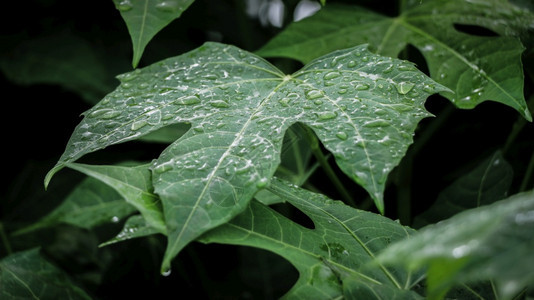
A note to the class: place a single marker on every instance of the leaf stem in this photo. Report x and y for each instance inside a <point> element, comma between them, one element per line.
<point>5,240</point>
<point>323,162</point>
<point>528,174</point>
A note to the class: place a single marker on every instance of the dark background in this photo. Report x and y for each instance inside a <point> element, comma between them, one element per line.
<point>38,118</point>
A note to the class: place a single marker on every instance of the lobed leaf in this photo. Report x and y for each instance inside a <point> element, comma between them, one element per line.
<point>332,259</point>
<point>475,68</point>
<point>363,107</point>
<point>28,275</point>
<point>492,242</point>
<point>145,18</point>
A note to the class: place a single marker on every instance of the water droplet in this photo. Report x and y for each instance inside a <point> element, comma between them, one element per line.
<point>139,124</point>
<point>164,167</point>
<point>362,86</point>
<point>428,88</point>
<point>168,6</point>
<point>124,5</point>
<point>115,219</point>
<point>376,123</point>
<point>313,94</point>
<point>187,100</point>
<point>388,69</point>
<point>331,75</point>
<point>262,183</point>
<point>284,101</point>
<point>342,135</point>
<point>99,112</point>
<point>351,64</point>
<point>404,87</point>
<point>166,272</point>
<point>143,86</point>
<point>327,115</point>
<point>210,76</point>
<point>219,104</point>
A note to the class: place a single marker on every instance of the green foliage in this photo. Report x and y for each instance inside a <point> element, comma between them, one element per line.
<point>220,148</point>
<point>475,68</point>
<point>146,18</point>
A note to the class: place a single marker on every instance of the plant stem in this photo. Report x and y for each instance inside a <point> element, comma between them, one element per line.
<point>528,174</point>
<point>323,162</point>
<point>517,127</point>
<point>5,240</point>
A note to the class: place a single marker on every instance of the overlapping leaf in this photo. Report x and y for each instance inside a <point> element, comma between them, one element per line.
<point>90,204</point>
<point>145,18</point>
<point>363,107</point>
<point>28,275</point>
<point>487,183</point>
<point>134,184</point>
<point>332,258</point>
<point>490,242</point>
<point>475,68</point>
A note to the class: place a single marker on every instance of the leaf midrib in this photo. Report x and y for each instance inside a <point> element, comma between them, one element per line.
<point>210,176</point>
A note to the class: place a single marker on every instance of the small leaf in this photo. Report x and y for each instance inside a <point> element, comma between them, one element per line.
<point>145,18</point>
<point>484,185</point>
<point>28,275</point>
<point>132,183</point>
<point>135,227</point>
<point>475,68</point>
<point>90,204</point>
<point>332,258</point>
<point>237,105</point>
<point>492,242</point>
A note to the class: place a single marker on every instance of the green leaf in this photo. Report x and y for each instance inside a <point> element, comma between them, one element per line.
<point>90,204</point>
<point>332,258</point>
<point>28,275</point>
<point>475,68</point>
<point>492,242</point>
<point>132,183</point>
<point>135,227</point>
<point>363,107</point>
<point>145,18</point>
<point>487,183</point>
<point>75,65</point>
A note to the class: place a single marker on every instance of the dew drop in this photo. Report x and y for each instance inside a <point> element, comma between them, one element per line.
<point>166,272</point>
<point>115,219</point>
<point>262,183</point>
<point>139,124</point>
<point>342,135</point>
<point>284,101</point>
<point>187,100</point>
<point>362,86</point>
<point>313,94</point>
<point>168,6</point>
<point>327,115</point>
<point>351,64</point>
<point>219,104</point>
<point>404,87</point>
<point>124,5</point>
<point>99,112</point>
<point>331,75</point>
<point>143,86</point>
<point>164,167</point>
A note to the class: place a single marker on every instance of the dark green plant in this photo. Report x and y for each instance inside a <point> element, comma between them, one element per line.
<point>261,133</point>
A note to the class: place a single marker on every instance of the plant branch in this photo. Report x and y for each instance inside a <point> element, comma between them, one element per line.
<point>323,162</point>
<point>5,240</point>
